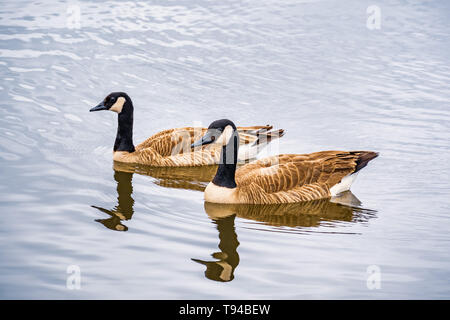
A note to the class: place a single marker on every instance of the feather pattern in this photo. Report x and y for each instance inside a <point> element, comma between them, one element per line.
<point>290,178</point>
<point>172,147</point>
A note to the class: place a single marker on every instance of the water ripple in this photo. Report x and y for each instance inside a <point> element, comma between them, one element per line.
<point>307,66</point>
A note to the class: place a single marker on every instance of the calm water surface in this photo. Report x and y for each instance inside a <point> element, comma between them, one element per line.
<point>310,67</point>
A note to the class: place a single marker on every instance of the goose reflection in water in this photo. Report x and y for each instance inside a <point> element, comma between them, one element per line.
<point>227,258</point>
<point>192,178</point>
<point>125,202</point>
<point>301,215</point>
<point>295,215</point>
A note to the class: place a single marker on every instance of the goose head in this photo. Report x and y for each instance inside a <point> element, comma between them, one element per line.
<point>121,103</point>
<point>118,102</point>
<point>219,132</point>
<point>224,133</point>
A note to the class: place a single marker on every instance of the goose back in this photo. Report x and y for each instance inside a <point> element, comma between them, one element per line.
<point>172,147</point>
<point>292,178</point>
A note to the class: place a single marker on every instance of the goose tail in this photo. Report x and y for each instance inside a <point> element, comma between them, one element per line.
<point>254,130</point>
<point>263,138</point>
<point>363,158</point>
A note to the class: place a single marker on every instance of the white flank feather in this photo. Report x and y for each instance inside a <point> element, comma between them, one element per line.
<point>344,185</point>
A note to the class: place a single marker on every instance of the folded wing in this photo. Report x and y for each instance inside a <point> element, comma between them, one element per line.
<point>178,141</point>
<point>297,177</point>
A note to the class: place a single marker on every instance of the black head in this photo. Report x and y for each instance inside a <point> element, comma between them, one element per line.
<point>221,124</point>
<point>115,101</point>
<point>219,131</point>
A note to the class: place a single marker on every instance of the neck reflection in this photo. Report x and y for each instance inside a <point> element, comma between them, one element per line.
<point>223,268</point>
<point>124,209</point>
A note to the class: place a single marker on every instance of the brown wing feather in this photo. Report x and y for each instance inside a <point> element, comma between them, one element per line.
<point>293,178</point>
<point>172,147</point>
<point>254,129</point>
<point>150,157</point>
<point>173,141</point>
<point>178,141</point>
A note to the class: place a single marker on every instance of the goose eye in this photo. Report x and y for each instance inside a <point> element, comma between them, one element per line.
<point>112,100</point>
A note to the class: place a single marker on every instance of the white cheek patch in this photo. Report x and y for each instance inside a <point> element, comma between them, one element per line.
<point>225,136</point>
<point>117,107</point>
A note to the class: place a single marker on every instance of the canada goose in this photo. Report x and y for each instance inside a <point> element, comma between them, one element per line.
<point>285,178</point>
<point>170,148</point>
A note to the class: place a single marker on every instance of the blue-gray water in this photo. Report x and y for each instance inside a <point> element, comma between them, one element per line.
<point>313,68</point>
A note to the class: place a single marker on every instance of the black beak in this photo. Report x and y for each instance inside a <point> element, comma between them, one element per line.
<point>208,138</point>
<point>101,106</point>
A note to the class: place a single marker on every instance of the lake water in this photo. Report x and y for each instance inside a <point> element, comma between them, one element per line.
<point>314,68</point>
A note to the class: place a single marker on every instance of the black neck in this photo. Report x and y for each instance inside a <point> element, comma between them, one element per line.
<point>124,193</point>
<point>228,160</point>
<point>124,137</point>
